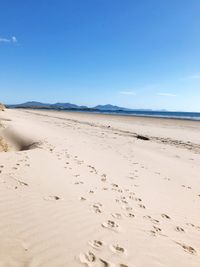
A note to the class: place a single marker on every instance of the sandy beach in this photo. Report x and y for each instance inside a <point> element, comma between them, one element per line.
<point>94,190</point>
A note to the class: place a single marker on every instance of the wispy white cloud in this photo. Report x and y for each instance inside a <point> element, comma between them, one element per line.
<point>194,77</point>
<point>127,93</point>
<point>12,40</point>
<point>4,40</point>
<point>166,94</point>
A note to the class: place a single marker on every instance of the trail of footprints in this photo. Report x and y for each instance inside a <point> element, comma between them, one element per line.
<point>89,258</point>
<point>15,181</point>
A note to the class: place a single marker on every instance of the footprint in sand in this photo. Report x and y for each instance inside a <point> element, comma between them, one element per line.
<point>78,182</point>
<point>153,233</point>
<point>151,219</point>
<point>97,207</point>
<point>157,229</point>
<point>15,168</point>
<point>87,258</point>
<point>118,250</point>
<point>117,200</point>
<point>131,195</point>
<point>82,198</point>
<point>124,201</point>
<point>117,215</point>
<point>105,188</point>
<point>194,226</point>
<point>130,215</point>
<point>97,244</point>
<point>165,216</point>
<point>188,187</point>
<point>142,206</point>
<point>190,224</point>
<point>138,199</point>
<point>127,208</point>
<point>115,185</point>
<point>179,229</point>
<point>120,191</point>
<point>111,225</point>
<point>22,183</point>
<point>103,177</point>
<point>93,170</point>
<point>50,198</point>
<point>188,249</point>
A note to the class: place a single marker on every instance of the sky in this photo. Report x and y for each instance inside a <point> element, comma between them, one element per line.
<point>130,53</point>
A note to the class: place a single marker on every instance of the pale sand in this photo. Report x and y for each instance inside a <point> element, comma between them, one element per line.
<point>84,191</point>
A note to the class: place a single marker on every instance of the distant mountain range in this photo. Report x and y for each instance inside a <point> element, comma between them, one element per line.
<point>34,104</point>
<point>69,106</point>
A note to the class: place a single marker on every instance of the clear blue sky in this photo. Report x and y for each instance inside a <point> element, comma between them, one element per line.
<point>137,54</point>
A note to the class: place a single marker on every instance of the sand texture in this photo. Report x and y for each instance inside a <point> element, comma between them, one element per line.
<point>98,190</point>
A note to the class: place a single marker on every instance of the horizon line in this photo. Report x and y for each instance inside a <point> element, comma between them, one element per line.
<point>139,109</point>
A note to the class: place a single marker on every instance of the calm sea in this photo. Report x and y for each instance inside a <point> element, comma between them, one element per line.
<point>158,114</point>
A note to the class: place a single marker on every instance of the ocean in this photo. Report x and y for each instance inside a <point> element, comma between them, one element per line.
<point>157,114</point>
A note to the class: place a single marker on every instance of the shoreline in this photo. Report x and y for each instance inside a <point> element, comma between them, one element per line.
<point>155,128</point>
<point>114,113</point>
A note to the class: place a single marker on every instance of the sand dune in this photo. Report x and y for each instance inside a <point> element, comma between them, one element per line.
<point>98,190</point>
